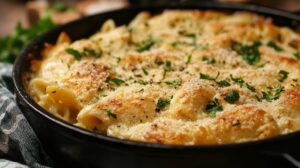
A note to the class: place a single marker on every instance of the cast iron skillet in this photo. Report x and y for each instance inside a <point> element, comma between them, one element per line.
<point>70,146</point>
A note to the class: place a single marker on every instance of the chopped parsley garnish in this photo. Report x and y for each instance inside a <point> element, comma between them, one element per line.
<point>272,95</point>
<point>189,35</point>
<point>130,29</point>
<point>297,55</point>
<point>223,83</point>
<point>273,45</point>
<point>159,62</point>
<point>237,80</point>
<point>204,46</point>
<point>212,107</point>
<point>107,79</point>
<point>209,61</point>
<point>145,71</point>
<point>284,74</point>
<point>89,52</point>
<point>193,37</point>
<point>11,46</point>
<point>250,87</point>
<point>174,83</point>
<point>60,7</point>
<point>142,82</point>
<point>168,68</point>
<point>189,59</point>
<point>207,77</point>
<point>111,114</point>
<point>146,46</point>
<point>257,98</point>
<point>175,43</point>
<point>76,54</point>
<point>86,52</point>
<point>118,59</point>
<point>261,65</point>
<point>232,96</point>
<point>117,81</point>
<point>162,103</point>
<point>249,53</point>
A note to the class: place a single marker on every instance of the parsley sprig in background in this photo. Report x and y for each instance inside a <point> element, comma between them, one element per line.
<point>11,46</point>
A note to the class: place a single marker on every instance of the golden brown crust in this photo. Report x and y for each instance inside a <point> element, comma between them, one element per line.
<point>244,123</point>
<point>186,77</point>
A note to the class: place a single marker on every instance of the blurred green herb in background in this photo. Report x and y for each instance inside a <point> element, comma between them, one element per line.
<point>11,46</point>
<point>60,7</point>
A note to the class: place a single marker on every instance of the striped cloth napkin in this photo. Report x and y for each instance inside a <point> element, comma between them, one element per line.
<point>19,146</point>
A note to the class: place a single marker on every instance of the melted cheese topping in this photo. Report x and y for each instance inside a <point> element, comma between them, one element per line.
<point>180,77</point>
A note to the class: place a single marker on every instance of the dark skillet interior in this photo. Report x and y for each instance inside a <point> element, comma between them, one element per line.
<point>81,147</point>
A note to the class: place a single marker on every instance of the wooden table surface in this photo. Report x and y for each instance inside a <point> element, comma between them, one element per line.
<point>13,11</point>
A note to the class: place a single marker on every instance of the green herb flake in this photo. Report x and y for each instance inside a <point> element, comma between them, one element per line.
<point>107,79</point>
<point>168,68</point>
<point>142,82</point>
<point>11,46</point>
<point>211,61</point>
<point>174,83</point>
<point>175,43</point>
<point>257,98</point>
<point>76,54</point>
<point>110,113</point>
<point>272,95</point>
<point>159,62</point>
<point>117,81</point>
<point>146,46</point>
<point>232,96</point>
<point>145,71</point>
<point>193,37</point>
<point>118,59</point>
<point>162,104</point>
<point>284,74</point>
<point>212,107</point>
<point>189,58</point>
<point>249,53</point>
<point>273,45</point>
<point>297,55</point>
<point>130,29</point>
<point>89,52</point>
<point>205,76</point>
<point>204,46</point>
<point>250,87</point>
<point>223,83</point>
<point>261,65</point>
<point>60,7</point>
<point>237,80</point>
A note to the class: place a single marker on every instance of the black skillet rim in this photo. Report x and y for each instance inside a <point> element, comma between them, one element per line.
<point>22,94</point>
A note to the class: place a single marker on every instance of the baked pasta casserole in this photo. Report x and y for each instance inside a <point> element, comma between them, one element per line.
<point>183,77</point>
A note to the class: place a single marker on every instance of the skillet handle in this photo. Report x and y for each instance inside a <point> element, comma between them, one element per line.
<point>297,12</point>
<point>293,159</point>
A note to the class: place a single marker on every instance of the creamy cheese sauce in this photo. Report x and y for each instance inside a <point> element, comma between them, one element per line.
<point>181,77</point>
